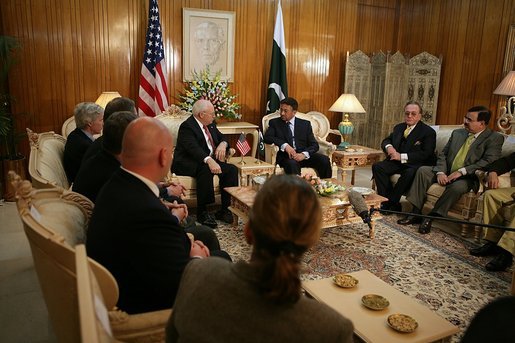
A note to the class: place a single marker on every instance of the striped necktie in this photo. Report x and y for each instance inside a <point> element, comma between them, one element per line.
<point>459,160</point>
<point>407,131</point>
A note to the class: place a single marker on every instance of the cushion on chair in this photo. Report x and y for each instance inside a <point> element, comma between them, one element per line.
<point>64,218</point>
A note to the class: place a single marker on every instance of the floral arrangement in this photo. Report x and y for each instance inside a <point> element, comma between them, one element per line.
<point>322,187</point>
<point>213,89</point>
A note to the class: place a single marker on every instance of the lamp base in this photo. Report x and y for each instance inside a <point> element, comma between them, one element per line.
<point>343,146</point>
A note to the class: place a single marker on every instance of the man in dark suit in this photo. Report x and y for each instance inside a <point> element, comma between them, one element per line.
<point>297,144</point>
<point>89,118</point>
<point>201,153</point>
<point>409,146</point>
<point>95,171</point>
<point>473,147</point>
<point>498,242</point>
<point>116,105</point>
<point>133,233</point>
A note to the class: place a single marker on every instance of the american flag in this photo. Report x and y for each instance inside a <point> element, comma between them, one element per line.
<point>242,145</point>
<point>153,91</point>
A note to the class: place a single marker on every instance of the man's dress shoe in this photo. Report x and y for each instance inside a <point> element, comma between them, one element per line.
<point>408,220</point>
<point>425,227</point>
<point>500,262</point>
<point>487,249</point>
<point>224,215</point>
<point>205,218</point>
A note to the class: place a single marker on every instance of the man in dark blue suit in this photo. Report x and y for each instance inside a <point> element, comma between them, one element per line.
<point>201,153</point>
<point>410,145</point>
<point>133,233</point>
<point>297,144</point>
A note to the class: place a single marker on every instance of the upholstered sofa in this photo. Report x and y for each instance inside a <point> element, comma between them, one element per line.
<point>55,221</point>
<point>467,206</point>
<point>46,160</point>
<point>321,130</point>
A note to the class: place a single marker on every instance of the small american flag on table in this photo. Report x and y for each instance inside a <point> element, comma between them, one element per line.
<point>242,145</point>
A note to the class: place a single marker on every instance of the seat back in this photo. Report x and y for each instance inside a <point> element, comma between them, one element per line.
<point>93,314</point>
<point>46,160</point>
<point>173,118</point>
<point>54,255</point>
<point>68,126</point>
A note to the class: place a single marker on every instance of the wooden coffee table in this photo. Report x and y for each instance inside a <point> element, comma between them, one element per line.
<point>370,325</point>
<point>251,167</point>
<point>336,210</point>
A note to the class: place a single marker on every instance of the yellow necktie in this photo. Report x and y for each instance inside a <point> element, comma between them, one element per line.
<point>462,153</point>
<point>406,132</point>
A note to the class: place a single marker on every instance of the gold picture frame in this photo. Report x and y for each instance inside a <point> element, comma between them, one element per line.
<point>208,40</point>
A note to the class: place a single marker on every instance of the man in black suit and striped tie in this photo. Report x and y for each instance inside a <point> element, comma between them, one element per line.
<point>410,145</point>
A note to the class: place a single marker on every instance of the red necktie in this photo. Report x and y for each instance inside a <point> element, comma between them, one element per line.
<point>209,137</point>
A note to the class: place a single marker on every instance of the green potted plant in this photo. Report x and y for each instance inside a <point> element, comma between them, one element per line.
<point>9,137</point>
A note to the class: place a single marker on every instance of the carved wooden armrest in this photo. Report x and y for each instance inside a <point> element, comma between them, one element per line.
<point>142,327</point>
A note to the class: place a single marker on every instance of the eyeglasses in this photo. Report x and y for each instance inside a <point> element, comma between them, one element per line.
<point>412,114</point>
<point>470,120</point>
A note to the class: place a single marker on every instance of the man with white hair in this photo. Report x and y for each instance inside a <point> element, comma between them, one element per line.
<point>89,118</point>
<point>201,153</point>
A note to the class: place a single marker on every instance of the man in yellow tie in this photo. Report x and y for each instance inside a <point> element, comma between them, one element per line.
<point>410,145</point>
<point>455,167</point>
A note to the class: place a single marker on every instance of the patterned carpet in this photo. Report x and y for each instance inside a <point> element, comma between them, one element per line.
<point>436,268</point>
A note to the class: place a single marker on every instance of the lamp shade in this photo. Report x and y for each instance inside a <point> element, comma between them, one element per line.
<point>105,97</point>
<point>507,85</point>
<point>347,103</point>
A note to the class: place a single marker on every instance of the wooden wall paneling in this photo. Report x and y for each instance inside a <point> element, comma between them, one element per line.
<point>74,49</point>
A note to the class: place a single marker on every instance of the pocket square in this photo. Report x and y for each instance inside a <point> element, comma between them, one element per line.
<point>418,143</point>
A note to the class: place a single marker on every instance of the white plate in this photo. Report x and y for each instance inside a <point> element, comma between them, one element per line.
<point>362,190</point>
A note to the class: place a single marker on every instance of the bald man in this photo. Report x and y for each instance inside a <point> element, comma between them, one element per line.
<point>135,235</point>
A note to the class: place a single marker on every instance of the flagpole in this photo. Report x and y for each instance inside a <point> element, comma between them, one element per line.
<point>258,161</point>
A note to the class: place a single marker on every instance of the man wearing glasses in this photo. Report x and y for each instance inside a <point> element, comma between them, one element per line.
<point>410,145</point>
<point>470,148</point>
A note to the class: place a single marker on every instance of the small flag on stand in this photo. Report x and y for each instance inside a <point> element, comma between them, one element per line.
<point>242,145</point>
<point>153,91</point>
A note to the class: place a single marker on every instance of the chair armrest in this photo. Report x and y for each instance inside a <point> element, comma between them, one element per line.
<point>271,153</point>
<point>326,148</point>
<point>147,327</point>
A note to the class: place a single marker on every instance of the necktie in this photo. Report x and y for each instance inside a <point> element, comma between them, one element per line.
<point>407,131</point>
<point>210,138</point>
<point>291,136</point>
<point>462,153</point>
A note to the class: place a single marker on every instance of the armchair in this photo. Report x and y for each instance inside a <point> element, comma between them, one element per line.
<point>321,129</point>
<point>55,221</point>
<point>46,160</point>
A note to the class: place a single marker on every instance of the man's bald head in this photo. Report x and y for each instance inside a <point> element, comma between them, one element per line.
<point>147,148</point>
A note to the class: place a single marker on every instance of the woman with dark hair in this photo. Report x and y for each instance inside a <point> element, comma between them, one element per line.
<point>261,300</point>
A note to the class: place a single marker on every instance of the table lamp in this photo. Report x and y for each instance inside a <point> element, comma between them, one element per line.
<point>346,103</point>
<point>105,97</point>
<point>507,88</point>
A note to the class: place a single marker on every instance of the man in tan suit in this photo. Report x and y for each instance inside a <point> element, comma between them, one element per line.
<point>498,210</point>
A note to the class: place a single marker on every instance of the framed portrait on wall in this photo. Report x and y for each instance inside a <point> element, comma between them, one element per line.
<point>208,41</point>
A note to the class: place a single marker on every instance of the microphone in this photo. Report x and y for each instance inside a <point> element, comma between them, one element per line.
<point>360,207</point>
<point>447,219</point>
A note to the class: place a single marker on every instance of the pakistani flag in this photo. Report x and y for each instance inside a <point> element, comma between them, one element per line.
<point>277,85</point>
